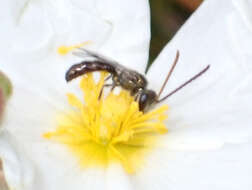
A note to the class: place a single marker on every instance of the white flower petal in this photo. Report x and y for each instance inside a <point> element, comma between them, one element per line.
<point>130,21</point>
<point>33,29</point>
<point>18,170</point>
<point>31,113</point>
<point>39,27</point>
<point>60,170</point>
<point>117,179</point>
<point>216,107</point>
<point>228,168</point>
<point>244,8</point>
<point>33,165</point>
<point>241,40</point>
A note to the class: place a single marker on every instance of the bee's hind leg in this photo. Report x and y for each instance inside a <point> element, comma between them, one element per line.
<point>106,85</point>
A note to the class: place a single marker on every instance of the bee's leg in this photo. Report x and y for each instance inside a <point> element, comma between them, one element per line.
<point>108,77</point>
<point>105,85</point>
<point>113,87</point>
<point>137,94</point>
<point>136,97</point>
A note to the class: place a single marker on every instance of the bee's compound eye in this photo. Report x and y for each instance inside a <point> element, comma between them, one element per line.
<point>146,99</point>
<point>143,101</point>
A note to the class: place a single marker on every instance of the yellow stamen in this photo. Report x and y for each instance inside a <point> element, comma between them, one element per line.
<point>107,130</point>
<point>63,50</point>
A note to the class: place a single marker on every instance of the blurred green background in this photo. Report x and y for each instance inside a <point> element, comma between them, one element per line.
<point>167,16</point>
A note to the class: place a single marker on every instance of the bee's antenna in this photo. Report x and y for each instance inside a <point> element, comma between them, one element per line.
<point>184,84</point>
<point>169,74</point>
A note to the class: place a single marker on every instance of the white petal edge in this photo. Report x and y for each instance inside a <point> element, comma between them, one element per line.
<point>216,106</point>
<point>244,8</point>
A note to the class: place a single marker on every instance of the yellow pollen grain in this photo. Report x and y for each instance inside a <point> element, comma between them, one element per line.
<point>63,50</point>
<point>99,132</point>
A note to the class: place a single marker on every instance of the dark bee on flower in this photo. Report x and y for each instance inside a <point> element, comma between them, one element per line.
<point>124,77</point>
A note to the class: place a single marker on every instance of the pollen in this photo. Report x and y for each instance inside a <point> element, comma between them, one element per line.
<point>108,129</point>
<point>63,50</point>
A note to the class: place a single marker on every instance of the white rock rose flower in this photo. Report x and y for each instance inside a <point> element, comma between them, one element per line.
<point>53,141</point>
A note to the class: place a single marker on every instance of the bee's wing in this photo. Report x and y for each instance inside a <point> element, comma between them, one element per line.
<point>88,53</point>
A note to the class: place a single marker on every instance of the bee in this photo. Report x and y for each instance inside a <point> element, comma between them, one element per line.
<point>124,77</point>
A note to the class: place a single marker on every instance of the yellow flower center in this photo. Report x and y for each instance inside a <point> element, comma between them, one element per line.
<point>108,130</point>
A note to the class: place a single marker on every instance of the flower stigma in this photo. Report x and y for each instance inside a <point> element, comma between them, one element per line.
<point>108,129</point>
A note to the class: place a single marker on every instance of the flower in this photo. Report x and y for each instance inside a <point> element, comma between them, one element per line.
<point>107,129</point>
<point>209,134</point>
